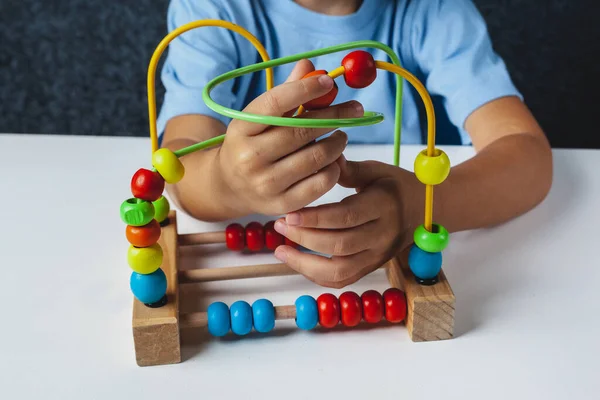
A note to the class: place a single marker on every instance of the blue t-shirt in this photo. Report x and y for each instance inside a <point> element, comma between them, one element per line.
<point>445,43</point>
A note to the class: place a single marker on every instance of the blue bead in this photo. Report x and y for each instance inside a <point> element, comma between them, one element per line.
<point>424,265</point>
<point>148,288</point>
<point>241,318</point>
<point>307,315</point>
<point>218,319</point>
<point>263,313</point>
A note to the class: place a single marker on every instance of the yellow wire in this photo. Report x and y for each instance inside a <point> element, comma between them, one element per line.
<point>339,71</point>
<point>430,128</point>
<point>163,45</point>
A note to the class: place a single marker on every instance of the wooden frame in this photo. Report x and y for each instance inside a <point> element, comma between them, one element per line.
<point>156,331</point>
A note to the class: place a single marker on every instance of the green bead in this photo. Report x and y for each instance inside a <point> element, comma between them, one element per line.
<point>136,212</point>
<point>161,209</point>
<point>434,241</point>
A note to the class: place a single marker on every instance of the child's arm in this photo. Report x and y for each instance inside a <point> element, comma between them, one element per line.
<point>511,173</point>
<point>260,169</point>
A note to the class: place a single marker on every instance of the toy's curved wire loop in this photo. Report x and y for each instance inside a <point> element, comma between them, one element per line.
<point>369,118</point>
<point>168,39</point>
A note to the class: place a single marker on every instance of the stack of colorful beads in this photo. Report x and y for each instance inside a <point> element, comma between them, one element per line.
<point>425,256</point>
<point>327,311</point>
<point>255,237</point>
<point>144,214</point>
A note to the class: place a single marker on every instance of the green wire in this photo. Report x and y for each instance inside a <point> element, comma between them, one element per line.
<point>369,117</point>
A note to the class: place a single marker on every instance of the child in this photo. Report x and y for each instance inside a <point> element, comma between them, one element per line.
<point>271,170</point>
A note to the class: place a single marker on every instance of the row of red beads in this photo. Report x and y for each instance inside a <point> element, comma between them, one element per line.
<point>371,307</point>
<point>255,237</point>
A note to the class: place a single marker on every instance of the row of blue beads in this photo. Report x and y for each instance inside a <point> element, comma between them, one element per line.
<point>241,317</point>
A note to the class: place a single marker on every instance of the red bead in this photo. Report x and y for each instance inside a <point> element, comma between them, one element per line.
<point>359,69</point>
<point>351,308</point>
<point>329,310</point>
<point>273,239</point>
<point>288,242</point>
<point>147,185</point>
<point>394,301</point>
<point>372,303</point>
<point>325,100</point>
<point>255,236</point>
<point>235,237</point>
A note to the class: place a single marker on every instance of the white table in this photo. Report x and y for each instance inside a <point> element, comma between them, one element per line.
<point>527,310</point>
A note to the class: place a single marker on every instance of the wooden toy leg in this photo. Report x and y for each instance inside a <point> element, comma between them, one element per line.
<point>430,308</point>
<point>156,330</point>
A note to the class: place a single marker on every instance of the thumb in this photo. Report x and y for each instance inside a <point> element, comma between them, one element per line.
<point>358,174</point>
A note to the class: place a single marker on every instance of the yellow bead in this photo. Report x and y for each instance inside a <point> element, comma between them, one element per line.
<point>145,260</point>
<point>432,170</point>
<point>168,165</point>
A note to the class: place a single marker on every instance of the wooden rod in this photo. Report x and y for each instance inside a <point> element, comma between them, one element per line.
<point>200,319</point>
<point>193,239</point>
<point>227,273</point>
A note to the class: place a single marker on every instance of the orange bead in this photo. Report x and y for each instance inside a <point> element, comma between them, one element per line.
<point>143,236</point>
<point>325,100</point>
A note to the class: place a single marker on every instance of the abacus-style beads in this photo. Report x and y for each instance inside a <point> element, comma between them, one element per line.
<point>425,266</point>
<point>235,237</point>
<point>273,239</point>
<point>307,315</point>
<point>434,241</point>
<point>143,236</point>
<point>359,69</point>
<point>255,236</point>
<point>329,310</point>
<point>394,301</point>
<point>168,165</point>
<point>241,318</point>
<point>147,185</point>
<point>161,209</point>
<point>372,304</point>
<point>145,260</point>
<point>432,170</point>
<point>148,288</point>
<point>325,100</point>
<point>263,314</point>
<point>136,212</point>
<point>218,318</point>
<point>351,309</point>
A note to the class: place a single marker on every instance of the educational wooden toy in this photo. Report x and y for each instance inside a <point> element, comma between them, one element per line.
<point>419,294</point>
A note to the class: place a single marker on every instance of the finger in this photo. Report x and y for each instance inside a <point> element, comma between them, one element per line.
<point>310,189</point>
<point>301,68</point>
<point>336,242</point>
<point>281,99</point>
<point>308,160</point>
<point>278,142</point>
<point>358,174</point>
<point>334,272</point>
<point>352,211</point>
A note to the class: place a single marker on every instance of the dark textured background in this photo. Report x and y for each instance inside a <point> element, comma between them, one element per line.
<point>79,66</point>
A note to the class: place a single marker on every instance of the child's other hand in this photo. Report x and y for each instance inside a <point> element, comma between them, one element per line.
<point>274,170</point>
<point>361,232</point>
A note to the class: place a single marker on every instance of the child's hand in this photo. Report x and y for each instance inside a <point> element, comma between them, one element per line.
<point>361,232</point>
<point>274,170</point>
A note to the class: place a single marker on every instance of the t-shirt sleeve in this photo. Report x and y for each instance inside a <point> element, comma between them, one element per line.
<point>452,48</point>
<point>194,58</point>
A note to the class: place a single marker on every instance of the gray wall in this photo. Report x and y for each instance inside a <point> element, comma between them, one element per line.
<point>69,66</point>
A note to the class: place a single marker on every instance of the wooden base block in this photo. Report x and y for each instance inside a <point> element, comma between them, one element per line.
<point>156,330</point>
<point>430,308</point>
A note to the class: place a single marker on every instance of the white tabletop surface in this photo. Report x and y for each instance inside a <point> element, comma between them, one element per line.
<point>527,298</point>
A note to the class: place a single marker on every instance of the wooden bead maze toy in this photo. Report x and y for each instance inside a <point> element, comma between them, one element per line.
<point>420,294</point>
